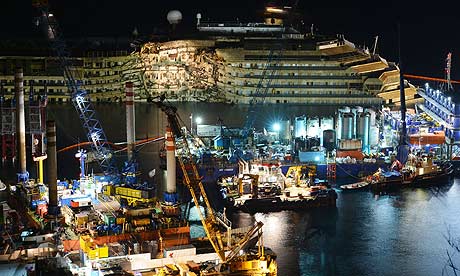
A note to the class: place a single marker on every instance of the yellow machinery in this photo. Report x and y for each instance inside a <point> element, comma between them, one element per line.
<point>300,172</point>
<point>94,251</point>
<point>234,261</point>
<point>133,197</point>
<point>254,184</point>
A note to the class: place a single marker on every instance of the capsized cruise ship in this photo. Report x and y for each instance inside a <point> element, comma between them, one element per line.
<point>239,62</point>
<point>269,61</point>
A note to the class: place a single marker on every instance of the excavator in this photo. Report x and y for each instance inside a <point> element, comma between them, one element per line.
<point>235,255</point>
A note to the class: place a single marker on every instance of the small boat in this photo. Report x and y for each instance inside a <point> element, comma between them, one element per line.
<point>361,185</point>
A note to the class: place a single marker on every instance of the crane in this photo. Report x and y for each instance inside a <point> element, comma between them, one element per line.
<point>263,86</point>
<point>79,96</point>
<point>213,222</point>
<point>268,74</point>
<point>410,76</point>
<point>447,70</point>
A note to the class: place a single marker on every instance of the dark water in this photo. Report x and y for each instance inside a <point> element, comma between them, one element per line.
<point>399,234</point>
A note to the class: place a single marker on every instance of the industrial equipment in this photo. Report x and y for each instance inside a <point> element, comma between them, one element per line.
<point>213,222</point>
<point>263,86</point>
<point>254,178</point>
<point>130,196</point>
<point>80,99</point>
<point>302,172</point>
<point>268,74</point>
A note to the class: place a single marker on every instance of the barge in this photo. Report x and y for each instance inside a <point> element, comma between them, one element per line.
<point>270,190</point>
<point>323,198</point>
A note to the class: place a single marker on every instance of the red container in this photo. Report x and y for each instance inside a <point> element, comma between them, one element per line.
<point>74,204</point>
<point>42,209</point>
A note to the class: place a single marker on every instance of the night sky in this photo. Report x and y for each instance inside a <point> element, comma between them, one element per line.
<point>429,29</point>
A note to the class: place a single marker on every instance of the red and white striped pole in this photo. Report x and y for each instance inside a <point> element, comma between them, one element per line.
<point>21,124</point>
<point>130,119</point>
<point>170,162</point>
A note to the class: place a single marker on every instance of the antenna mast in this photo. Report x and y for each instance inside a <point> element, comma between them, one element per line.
<point>375,45</point>
<point>448,65</point>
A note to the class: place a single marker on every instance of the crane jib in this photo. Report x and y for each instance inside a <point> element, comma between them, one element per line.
<point>80,98</point>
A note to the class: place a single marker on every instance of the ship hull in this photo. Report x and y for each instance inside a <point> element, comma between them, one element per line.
<point>433,179</point>
<point>276,204</point>
<point>388,185</point>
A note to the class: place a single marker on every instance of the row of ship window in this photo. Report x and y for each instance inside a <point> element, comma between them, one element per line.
<point>328,101</point>
<point>102,64</point>
<point>303,85</point>
<point>303,93</point>
<point>32,82</point>
<point>300,65</point>
<point>39,90</point>
<point>50,83</point>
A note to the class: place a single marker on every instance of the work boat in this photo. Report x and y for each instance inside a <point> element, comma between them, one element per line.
<point>387,180</point>
<point>424,172</point>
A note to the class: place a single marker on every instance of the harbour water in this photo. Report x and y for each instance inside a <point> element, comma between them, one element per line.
<point>398,234</point>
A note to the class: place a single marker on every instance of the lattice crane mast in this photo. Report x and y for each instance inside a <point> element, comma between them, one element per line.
<point>263,86</point>
<point>269,72</point>
<point>448,67</point>
<point>79,96</point>
<point>213,222</point>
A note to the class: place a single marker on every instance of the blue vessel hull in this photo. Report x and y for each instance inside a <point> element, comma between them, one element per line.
<point>351,170</point>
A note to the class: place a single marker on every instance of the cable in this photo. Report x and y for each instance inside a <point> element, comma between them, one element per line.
<point>338,165</point>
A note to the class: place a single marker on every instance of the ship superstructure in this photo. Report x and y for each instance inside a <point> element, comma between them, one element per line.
<point>444,107</point>
<point>231,59</point>
<point>225,62</point>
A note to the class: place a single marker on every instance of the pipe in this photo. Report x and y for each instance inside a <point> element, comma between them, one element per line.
<point>40,171</point>
<point>21,123</point>
<point>403,147</point>
<point>52,167</point>
<point>130,119</point>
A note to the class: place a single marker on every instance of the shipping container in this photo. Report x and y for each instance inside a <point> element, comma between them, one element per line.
<point>65,200</point>
<point>180,251</point>
<point>208,130</point>
<point>141,222</point>
<point>357,154</point>
<point>436,138</point>
<point>350,144</point>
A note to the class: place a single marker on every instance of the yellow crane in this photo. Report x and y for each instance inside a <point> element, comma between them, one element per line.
<point>213,223</point>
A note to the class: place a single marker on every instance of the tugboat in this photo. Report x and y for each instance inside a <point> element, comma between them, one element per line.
<point>387,180</point>
<point>426,173</point>
<point>417,172</point>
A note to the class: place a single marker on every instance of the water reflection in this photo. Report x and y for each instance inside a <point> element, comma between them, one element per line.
<point>402,233</point>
